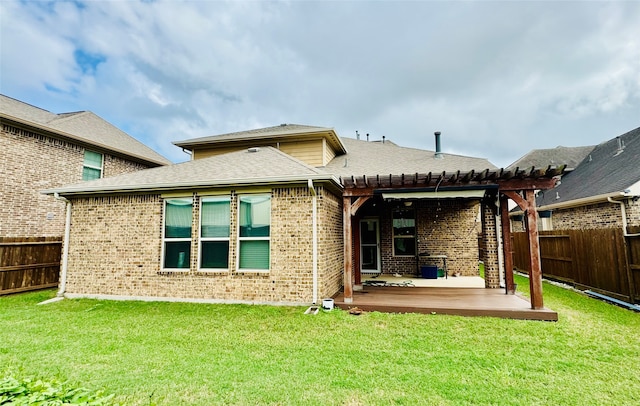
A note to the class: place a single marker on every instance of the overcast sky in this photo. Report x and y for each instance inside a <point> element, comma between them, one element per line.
<point>496,78</point>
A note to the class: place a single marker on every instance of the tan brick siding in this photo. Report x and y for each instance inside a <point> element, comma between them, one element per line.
<point>30,162</point>
<point>122,255</point>
<point>490,248</point>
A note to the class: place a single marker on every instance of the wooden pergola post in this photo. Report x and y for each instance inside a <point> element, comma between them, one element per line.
<point>507,246</point>
<point>535,276</point>
<point>528,205</point>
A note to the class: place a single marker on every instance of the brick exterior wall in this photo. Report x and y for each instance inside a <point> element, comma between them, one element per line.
<point>32,162</point>
<point>489,243</point>
<point>116,244</point>
<point>446,227</point>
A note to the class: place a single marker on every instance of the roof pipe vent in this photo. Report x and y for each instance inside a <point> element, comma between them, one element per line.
<point>438,153</point>
<point>620,146</point>
<point>367,137</point>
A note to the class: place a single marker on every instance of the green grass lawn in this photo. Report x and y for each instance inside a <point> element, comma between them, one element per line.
<point>195,354</point>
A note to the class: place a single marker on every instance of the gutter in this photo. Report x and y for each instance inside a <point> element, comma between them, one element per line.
<point>65,250</point>
<point>314,238</point>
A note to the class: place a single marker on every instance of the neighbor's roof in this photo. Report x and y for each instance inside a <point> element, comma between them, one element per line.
<point>259,166</point>
<point>82,127</point>
<point>372,158</point>
<point>611,168</point>
<point>542,158</point>
<point>282,131</point>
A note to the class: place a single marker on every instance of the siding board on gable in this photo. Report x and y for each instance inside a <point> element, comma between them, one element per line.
<point>308,151</point>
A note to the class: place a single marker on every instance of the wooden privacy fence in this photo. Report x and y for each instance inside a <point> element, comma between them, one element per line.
<point>29,263</point>
<point>600,260</point>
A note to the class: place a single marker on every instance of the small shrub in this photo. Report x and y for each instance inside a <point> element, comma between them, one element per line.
<point>32,391</point>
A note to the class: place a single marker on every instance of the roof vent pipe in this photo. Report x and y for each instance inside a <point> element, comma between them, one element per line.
<point>438,153</point>
<point>383,137</point>
<point>357,135</point>
<point>367,137</point>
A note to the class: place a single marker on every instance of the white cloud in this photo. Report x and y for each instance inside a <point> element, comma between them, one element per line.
<point>498,79</point>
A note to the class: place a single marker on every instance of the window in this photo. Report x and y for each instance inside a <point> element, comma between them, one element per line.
<point>92,167</point>
<point>177,233</point>
<point>404,232</point>
<point>254,218</point>
<point>214,232</point>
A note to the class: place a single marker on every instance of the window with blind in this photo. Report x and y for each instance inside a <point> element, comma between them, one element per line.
<point>254,236</point>
<point>92,166</point>
<point>176,245</point>
<point>404,232</point>
<point>215,215</point>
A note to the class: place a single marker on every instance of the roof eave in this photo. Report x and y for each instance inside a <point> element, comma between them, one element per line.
<point>81,141</point>
<point>331,180</point>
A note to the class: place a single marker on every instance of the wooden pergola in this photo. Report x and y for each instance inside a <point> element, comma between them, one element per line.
<point>517,185</point>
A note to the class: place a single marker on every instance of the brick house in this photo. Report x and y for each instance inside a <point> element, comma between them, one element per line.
<point>602,192</point>
<point>41,150</point>
<point>283,215</point>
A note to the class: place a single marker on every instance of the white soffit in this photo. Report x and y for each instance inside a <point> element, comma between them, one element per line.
<point>441,194</point>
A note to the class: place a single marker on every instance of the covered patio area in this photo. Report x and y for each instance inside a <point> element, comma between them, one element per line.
<point>391,223</point>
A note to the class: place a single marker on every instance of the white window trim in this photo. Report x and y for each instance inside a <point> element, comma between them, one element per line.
<point>237,259</point>
<point>164,239</point>
<point>100,168</point>
<point>201,239</point>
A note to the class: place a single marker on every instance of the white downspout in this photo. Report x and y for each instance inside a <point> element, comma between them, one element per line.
<point>65,247</point>
<point>623,213</point>
<point>314,237</point>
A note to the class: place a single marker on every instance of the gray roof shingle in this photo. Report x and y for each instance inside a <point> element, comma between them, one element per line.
<point>542,158</point>
<point>377,158</point>
<point>84,126</point>
<point>262,166</point>
<point>606,169</point>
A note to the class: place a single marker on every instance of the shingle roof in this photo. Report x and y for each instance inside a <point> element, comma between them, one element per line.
<point>279,131</point>
<point>377,158</point>
<point>264,165</point>
<point>541,158</point>
<point>612,166</point>
<point>84,127</point>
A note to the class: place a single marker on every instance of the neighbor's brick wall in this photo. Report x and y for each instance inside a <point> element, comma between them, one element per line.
<point>106,228</point>
<point>602,215</point>
<point>448,227</point>
<point>31,162</point>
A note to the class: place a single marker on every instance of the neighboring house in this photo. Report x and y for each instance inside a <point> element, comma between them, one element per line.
<point>284,214</point>
<point>42,150</point>
<point>541,158</point>
<point>602,192</point>
<point>570,157</point>
<point>593,222</point>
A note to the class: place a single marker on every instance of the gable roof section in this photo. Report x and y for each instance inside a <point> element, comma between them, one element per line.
<point>80,127</point>
<point>259,166</point>
<point>372,158</point>
<point>282,131</point>
<point>611,168</point>
<point>542,158</point>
